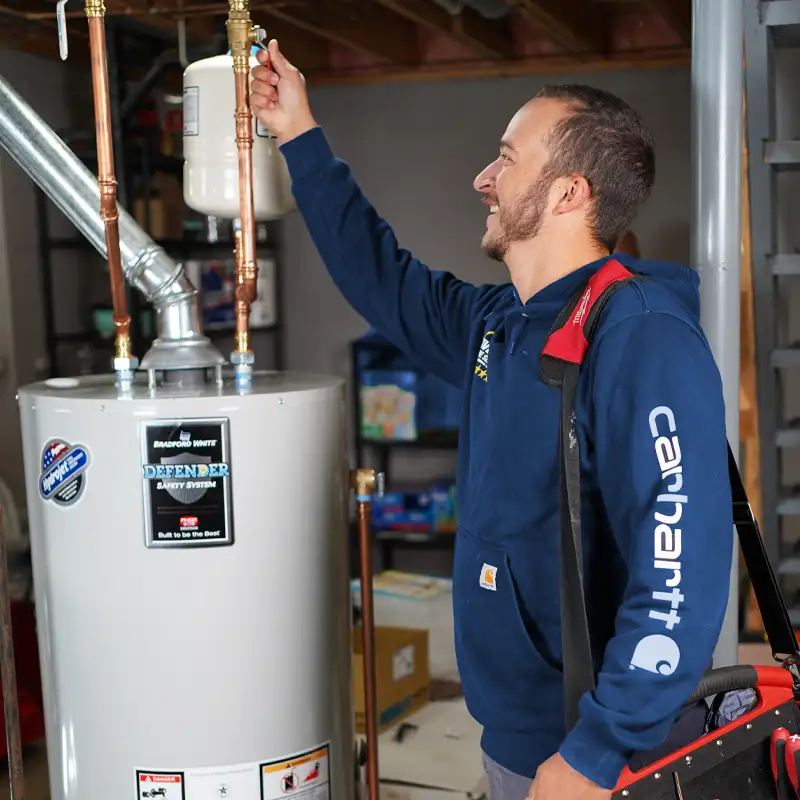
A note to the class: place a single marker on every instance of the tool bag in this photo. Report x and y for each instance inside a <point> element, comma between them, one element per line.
<point>750,755</point>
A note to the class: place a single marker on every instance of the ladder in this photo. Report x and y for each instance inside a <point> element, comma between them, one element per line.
<point>771,25</point>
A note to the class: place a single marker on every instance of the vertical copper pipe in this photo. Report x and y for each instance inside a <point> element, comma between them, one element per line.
<point>8,678</point>
<point>363,510</point>
<point>95,12</point>
<point>365,482</point>
<point>240,39</point>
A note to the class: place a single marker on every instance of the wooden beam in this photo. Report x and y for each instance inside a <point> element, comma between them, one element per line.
<point>426,73</point>
<point>748,413</point>
<point>362,25</point>
<point>38,40</point>
<point>485,37</point>
<point>309,53</point>
<point>677,14</point>
<point>573,25</point>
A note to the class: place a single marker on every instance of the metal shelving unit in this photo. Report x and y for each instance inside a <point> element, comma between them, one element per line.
<point>378,453</point>
<point>770,26</point>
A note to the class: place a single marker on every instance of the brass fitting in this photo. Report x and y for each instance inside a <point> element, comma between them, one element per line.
<point>95,8</point>
<point>242,34</point>
<point>366,482</point>
<point>122,346</point>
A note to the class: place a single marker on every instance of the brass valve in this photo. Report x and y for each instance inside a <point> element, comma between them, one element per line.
<point>367,482</point>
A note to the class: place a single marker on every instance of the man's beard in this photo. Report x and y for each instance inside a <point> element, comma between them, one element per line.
<point>519,221</point>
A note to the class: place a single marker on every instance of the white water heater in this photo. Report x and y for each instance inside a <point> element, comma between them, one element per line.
<point>211,160</point>
<point>191,581</point>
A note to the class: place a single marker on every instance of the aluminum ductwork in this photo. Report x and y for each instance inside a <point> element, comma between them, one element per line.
<point>74,189</point>
<point>491,9</point>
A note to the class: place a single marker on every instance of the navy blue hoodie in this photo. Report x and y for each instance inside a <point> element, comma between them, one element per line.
<point>656,503</point>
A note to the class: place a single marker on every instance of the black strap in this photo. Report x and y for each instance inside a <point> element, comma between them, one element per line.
<point>564,372</point>
<point>575,640</point>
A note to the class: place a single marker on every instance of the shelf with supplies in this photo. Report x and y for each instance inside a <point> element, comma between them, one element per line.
<point>399,407</point>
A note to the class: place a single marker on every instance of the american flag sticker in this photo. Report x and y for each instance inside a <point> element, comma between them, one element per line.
<point>63,474</point>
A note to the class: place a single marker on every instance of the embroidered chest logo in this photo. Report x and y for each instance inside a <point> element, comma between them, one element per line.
<point>482,362</point>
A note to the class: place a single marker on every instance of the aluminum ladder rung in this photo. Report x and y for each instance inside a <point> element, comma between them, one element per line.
<point>786,357</point>
<point>788,435</point>
<point>789,503</point>
<point>782,154</point>
<point>785,264</point>
<point>780,13</point>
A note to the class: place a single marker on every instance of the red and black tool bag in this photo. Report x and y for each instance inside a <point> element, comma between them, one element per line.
<point>738,759</point>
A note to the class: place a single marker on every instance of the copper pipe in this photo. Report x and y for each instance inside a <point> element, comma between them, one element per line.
<point>241,37</point>
<point>196,9</point>
<point>8,678</point>
<point>364,483</point>
<point>95,11</point>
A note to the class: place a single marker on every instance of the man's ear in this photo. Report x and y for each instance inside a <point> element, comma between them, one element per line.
<point>574,192</point>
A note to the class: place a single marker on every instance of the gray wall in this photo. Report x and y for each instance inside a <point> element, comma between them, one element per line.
<point>415,149</point>
<point>46,86</point>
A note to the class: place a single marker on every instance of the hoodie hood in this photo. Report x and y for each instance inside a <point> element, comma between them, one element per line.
<point>679,281</point>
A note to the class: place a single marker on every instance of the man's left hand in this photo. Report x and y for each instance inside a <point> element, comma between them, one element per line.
<point>556,780</point>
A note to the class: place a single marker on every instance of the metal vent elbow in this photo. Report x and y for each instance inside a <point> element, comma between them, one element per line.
<point>72,187</point>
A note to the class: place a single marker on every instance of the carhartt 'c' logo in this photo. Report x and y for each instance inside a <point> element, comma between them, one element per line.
<point>657,654</point>
<point>489,577</point>
<point>482,363</point>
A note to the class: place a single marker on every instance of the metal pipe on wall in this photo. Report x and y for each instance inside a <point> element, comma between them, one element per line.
<point>60,174</point>
<point>717,96</point>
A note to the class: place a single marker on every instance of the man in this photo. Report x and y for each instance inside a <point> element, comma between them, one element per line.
<point>628,243</point>
<point>574,166</point>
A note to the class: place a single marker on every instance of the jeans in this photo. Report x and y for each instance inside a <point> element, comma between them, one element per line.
<point>504,784</point>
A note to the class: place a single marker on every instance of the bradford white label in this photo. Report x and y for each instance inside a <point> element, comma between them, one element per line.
<point>186,475</point>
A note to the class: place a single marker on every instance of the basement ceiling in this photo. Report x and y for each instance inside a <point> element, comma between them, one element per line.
<point>347,41</point>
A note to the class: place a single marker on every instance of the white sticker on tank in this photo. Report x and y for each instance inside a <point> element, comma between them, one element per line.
<point>191,111</point>
<point>305,775</point>
<point>223,783</point>
<point>161,785</point>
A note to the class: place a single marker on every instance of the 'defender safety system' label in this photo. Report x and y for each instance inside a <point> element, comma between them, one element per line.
<point>186,482</point>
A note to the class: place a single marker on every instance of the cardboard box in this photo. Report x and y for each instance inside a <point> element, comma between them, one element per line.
<point>402,674</point>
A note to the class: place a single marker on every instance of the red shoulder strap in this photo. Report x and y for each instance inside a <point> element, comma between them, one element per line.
<point>569,339</point>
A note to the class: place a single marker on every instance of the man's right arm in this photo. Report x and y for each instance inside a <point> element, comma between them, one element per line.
<point>426,314</point>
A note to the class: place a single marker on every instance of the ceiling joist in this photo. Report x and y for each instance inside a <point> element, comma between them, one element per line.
<point>358,41</point>
<point>364,26</point>
<point>677,14</point>
<point>574,25</point>
<point>488,38</point>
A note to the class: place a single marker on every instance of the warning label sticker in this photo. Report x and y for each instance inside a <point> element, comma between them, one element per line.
<point>305,775</point>
<point>161,785</point>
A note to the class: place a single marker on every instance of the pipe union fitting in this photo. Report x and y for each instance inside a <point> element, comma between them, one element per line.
<point>129,364</point>
<point>239,358</point>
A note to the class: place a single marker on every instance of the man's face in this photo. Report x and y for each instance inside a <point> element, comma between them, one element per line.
<point>516,186</point>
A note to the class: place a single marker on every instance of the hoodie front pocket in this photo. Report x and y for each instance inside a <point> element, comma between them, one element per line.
<point>507,682</point>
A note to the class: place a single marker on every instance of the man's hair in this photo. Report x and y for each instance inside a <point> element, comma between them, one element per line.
<point>604,140</point>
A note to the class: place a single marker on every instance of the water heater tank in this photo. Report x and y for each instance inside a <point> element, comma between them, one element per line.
<point>191,584</point>
<point>211,160</point>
